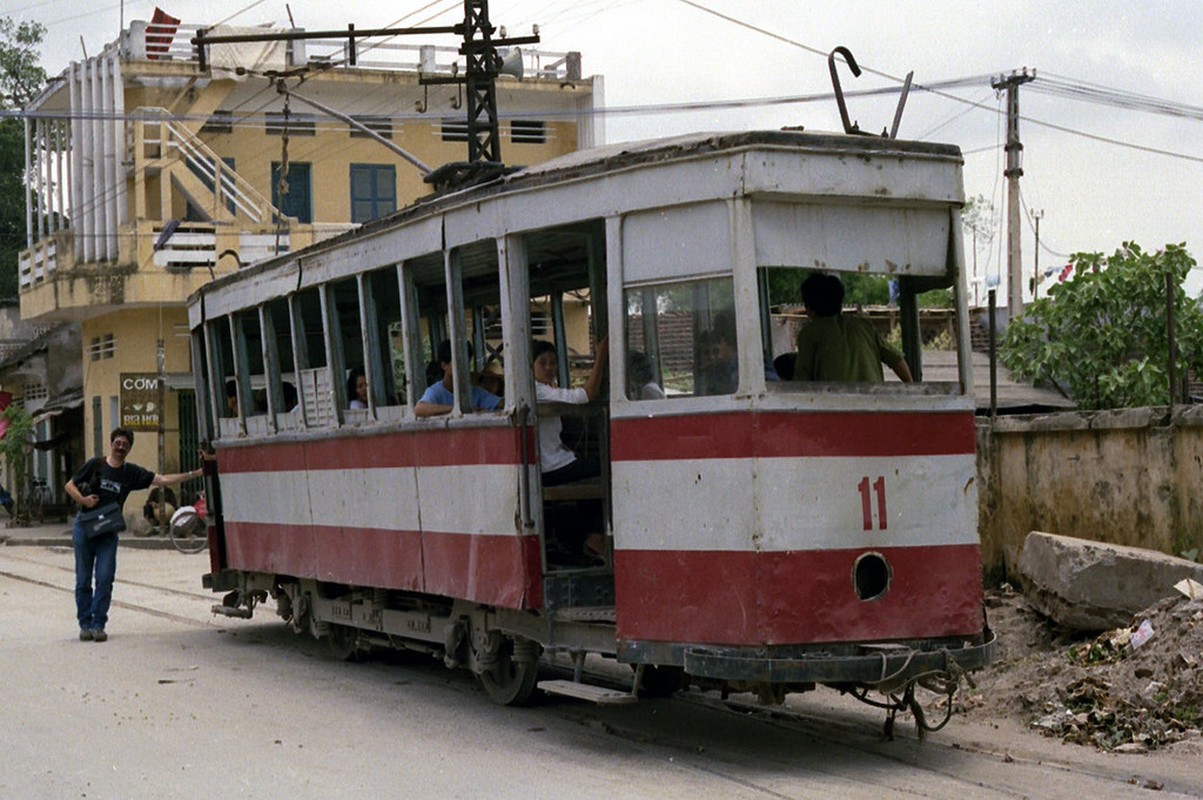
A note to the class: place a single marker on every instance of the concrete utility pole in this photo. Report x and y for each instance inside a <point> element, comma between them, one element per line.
<point>1014,170</point>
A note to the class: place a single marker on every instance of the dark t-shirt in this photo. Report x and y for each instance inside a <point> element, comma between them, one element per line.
<point>112,485</point>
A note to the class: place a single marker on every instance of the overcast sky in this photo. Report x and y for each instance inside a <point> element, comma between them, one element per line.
<point>1094,194</point>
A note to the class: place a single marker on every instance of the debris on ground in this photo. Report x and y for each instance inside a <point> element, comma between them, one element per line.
<point>1128,690</point>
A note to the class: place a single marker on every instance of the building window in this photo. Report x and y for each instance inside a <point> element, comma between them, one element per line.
<point>379,125</point>
<point>102,347</point>
<point>221,121</point>
<point>298,124</point>
<point>373,191</point>
<point>528,132</point>
<point>455,130</point>
<point>297,201</point>
<point>35,391</point>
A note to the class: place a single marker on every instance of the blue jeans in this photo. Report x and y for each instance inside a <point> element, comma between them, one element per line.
<point>93,557</point>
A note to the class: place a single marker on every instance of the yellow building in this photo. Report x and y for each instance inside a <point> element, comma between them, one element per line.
<point>151,176</point>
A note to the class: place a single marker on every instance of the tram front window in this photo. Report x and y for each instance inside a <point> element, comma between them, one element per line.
<point>681,339</point>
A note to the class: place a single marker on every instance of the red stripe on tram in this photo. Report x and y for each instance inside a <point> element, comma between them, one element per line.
<point>792,435</point>
<point>497,570</point>
<point>435,448</point>
<point>780,598</point>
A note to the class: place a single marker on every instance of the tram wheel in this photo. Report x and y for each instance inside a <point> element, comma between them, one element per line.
<point>342,640</point>
<point>509,682</point>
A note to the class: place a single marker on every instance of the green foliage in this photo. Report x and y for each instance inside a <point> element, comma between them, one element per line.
<point>1102,335</point>
<point>21,78</point>
<point>785,287</point>
<point>15,447</point>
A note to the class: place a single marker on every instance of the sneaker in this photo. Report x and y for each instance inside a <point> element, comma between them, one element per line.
<point>85,634</point>
<point>98,635</point>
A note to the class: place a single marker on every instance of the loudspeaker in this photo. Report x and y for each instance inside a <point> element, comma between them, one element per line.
<point>511,63</point>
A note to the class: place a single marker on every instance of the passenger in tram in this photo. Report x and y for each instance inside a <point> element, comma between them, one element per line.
<point>721,375</point>
<point>641,378</point>
<point>558,463</point>
<point>232,398</point>
<point>492,379</point>
<point>834,346</point>
<point>289,393</point>
<point>357,389</point>
<point>439,397</point>
<point>573,535</point>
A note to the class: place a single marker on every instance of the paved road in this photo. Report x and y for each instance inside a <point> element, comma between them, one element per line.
<point>180,704</point>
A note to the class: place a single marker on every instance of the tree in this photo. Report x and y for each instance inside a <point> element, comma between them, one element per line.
<point>15,448</point>
<point>1102,335</point>
<point>20,81</point>
<point>21,78</point>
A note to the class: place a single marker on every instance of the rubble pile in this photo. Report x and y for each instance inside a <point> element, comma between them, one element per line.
<point>1130,689</point>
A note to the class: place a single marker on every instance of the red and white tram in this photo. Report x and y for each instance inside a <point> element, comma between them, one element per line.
<point>768,535</point>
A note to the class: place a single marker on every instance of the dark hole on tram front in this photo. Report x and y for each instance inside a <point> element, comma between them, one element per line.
<point>871,576</point>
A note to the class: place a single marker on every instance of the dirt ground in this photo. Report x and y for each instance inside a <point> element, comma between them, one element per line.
<point>1099,691</point>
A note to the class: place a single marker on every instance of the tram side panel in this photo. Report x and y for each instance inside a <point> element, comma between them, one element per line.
<point>750,529</point>
<point>427,511</point>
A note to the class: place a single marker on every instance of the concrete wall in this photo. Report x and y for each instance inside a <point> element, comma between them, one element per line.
<point>1131,477</point>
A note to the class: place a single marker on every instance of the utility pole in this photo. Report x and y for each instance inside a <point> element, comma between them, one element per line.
<point>1014,170</point>
<point>1037,215</point>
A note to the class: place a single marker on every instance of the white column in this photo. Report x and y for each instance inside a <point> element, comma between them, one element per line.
<point>86,242</point>
<point>119,140</point>
<point>61,173</point>
<point>107,126</point>
<point>76,168</point>
<point>39,174</point>
<point>29,240</point>
<point>99,187</point>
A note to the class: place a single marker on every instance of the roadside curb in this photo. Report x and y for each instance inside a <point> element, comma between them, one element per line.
<point>137,543</point>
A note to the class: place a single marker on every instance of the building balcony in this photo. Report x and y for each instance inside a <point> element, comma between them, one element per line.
<point>156,263</point>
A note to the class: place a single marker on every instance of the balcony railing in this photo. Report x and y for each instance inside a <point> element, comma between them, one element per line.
<point>158,42</point>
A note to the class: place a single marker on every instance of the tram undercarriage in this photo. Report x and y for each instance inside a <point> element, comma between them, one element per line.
<point>502,648</point>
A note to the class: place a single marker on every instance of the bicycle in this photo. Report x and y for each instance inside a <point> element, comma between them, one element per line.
<point>37,496</point>
<point>188,531</point>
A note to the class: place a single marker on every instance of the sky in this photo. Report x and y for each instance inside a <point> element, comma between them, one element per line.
<point>1126,166</point>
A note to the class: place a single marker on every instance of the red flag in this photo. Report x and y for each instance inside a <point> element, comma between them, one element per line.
<point>1065,273</point>
<point>159,34</point>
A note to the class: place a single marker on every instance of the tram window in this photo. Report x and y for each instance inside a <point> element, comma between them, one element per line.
<point>282,378</point>
<point>224,361</point>
<point>249,366</point>
<point>384,359</point>
<point>313,377</point>
<point>907,315</point>
<point>346,339</point>
<point>681,340</point>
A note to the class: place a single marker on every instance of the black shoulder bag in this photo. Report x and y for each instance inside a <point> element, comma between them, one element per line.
<point>104,518</point>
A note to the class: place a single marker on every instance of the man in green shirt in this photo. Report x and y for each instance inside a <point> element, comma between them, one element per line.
<point>836,347</point>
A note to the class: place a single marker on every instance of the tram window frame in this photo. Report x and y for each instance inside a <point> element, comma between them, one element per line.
<point>343,322</point>
<point>381,313</point>
<point>249,369</point>
<point>690,359</point>
<point>283,396</point>
<point>307,327</point>
<point>220,345</point>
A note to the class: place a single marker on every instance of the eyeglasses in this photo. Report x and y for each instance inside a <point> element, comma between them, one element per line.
<point>120,440</point>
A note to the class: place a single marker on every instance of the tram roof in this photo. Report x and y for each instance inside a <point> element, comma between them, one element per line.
<point>615,158</point>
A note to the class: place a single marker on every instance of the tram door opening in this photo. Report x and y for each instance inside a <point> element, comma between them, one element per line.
<point>567,285</point>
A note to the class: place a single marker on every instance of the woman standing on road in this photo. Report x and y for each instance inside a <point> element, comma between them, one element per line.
<point>106,480</point>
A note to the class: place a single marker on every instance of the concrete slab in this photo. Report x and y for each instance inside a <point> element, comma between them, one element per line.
<point>1094,586</point>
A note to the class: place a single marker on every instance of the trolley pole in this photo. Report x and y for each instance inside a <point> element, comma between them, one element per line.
<point>1013,172</point>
